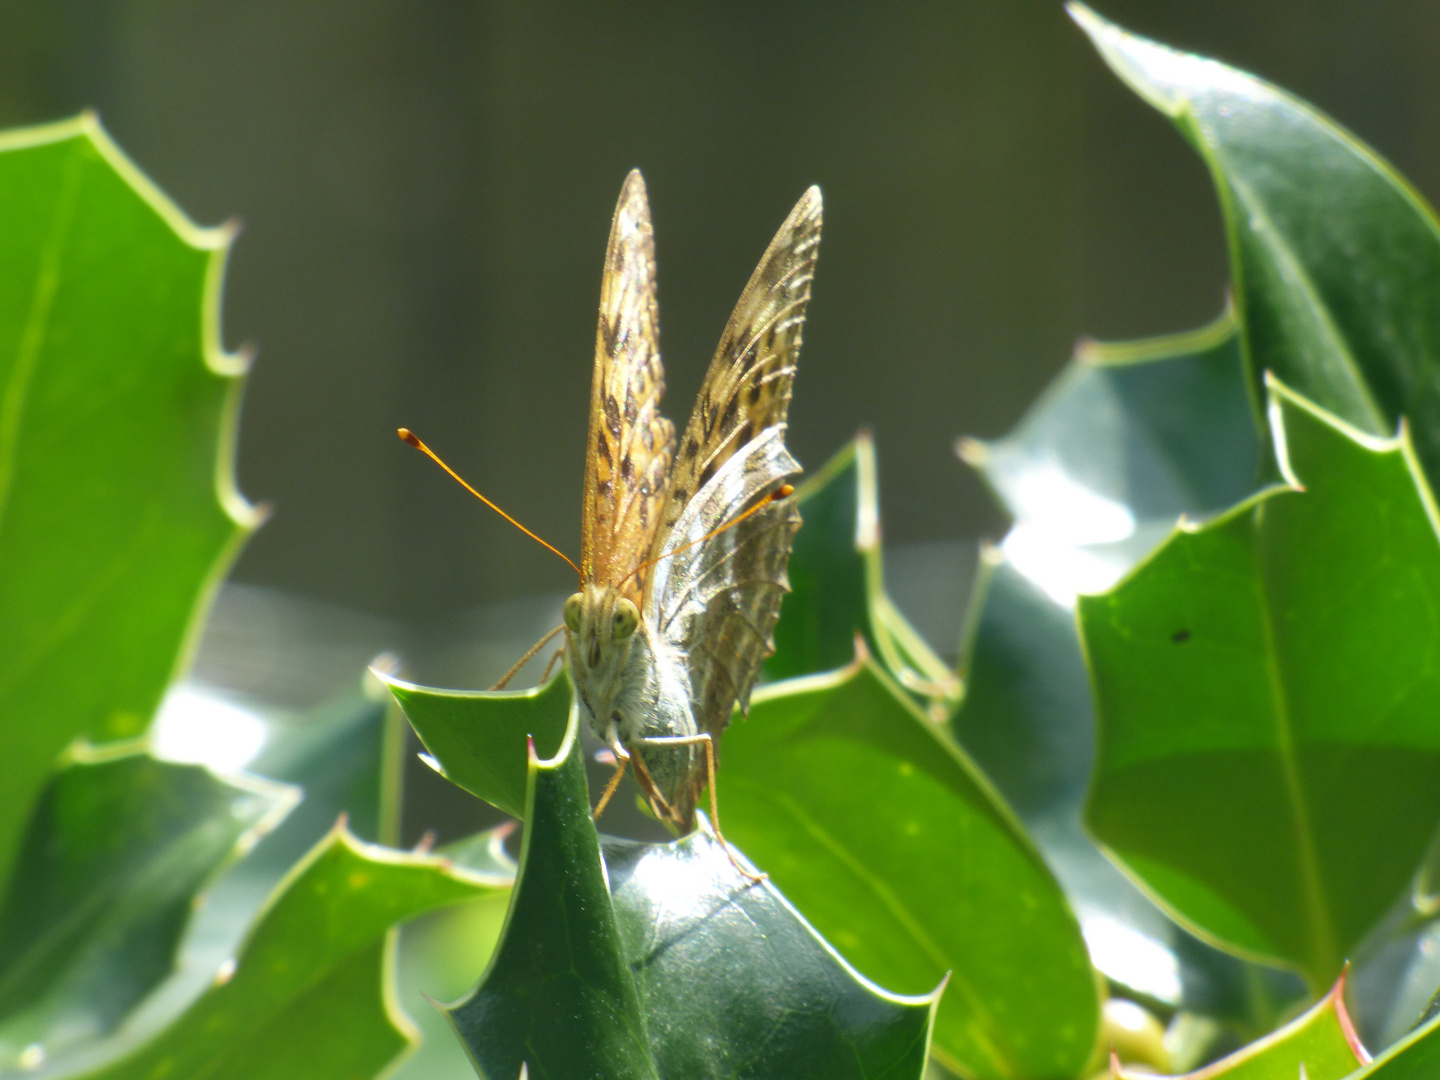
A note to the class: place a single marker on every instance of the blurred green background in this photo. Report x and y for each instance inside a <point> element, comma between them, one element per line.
<point>426,190</point>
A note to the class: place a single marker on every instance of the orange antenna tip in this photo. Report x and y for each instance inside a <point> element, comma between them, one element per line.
<point>784,491</point>
<point>410,437</point>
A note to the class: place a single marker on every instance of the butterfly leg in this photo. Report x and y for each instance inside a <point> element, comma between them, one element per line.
<point>556,655</point>
<point>658,803</point>
<point>614,783</point>
<point>709,743</point>
<point>527,658</point>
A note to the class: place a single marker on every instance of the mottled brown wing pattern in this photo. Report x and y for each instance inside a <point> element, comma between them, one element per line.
<point>747,386</point>
<point>628,455</point>
<point>717,602</point>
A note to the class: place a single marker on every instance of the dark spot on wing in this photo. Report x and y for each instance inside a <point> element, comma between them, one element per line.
<point>608,334</point>
<point>731,407</point>
<point>612,415</point>
<point>627,468</point>
<point>692,447</point>
<point>632,407</point>
<point>602,445</point>
<point>604,487</point>
<point>755,391</point>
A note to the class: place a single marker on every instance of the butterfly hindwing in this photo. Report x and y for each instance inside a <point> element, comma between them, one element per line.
<point>715,601</point>
<point>630,446</point>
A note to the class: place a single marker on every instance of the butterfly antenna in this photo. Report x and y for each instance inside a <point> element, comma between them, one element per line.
<point>784,491</point>
<point>406,435</point>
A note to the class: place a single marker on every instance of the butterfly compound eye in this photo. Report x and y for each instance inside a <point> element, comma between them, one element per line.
<point>627,618</point>
<point>572,613</point>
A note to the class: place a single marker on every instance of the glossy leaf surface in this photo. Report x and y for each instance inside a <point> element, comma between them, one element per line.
<point>689,970</point>
<point>307,994</point>
<point>897,849</point>
<point>837,588</point>
<point>1335,258</point>
<point>1268,762</point>
<point>117,850</point>
<point>117,408</point>
<point>478,737</point>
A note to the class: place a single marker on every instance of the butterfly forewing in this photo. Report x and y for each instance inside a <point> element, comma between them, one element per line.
<point>627,464</point>
<point>747,387</point>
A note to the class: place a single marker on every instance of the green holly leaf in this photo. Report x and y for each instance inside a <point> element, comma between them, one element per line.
<point>1335,258</point>
<point>307,992</point>
<point>1414,1057</point>
<point>118,412</point>
<point>345,756</point>
<point>1268,762</point>
<point>1320,1044</point>
<point>682,966</point>
<point>478,739</point>
<point>442,954</point>
<point>896,847</point>
<point>118,848</point>
<point>1129,437</point>
<point>837,588</point>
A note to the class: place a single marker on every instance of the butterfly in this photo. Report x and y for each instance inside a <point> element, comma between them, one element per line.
<point>684,542</point>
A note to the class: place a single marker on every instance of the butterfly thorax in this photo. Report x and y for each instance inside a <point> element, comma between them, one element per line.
<point>622,672</point>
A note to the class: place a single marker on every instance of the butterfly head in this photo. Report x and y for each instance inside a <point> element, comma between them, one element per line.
<point>600,625</point>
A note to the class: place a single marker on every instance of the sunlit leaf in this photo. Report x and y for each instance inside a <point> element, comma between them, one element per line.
<point>117,414</point>
<point>1129,437</point>
<point>306,995</point>
<point>478,737</point>
<point>1268,759</point>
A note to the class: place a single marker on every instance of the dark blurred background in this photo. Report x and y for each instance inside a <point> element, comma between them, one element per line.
<point>426,189</point>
